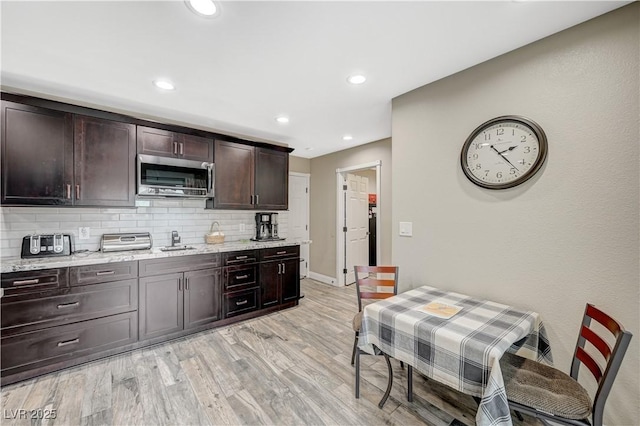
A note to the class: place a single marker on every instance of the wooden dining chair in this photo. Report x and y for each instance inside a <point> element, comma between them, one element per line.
<point>549,394</point>
<point>372,283</point>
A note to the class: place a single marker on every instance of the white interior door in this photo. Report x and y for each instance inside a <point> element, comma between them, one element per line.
<point>298,228</point>
<point>357,224</point>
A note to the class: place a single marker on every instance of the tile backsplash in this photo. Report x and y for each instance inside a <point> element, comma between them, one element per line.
<point>162,216</point>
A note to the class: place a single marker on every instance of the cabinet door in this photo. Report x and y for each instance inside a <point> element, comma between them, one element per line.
<point>105,165</point>
<point>37,155</point>
<point>290,280</point>
<point>157,142</point>
<point>195,148</point>
<point>202,297</point>
<point>272,179</point>
<point>234,175</point>
<point>161,305</point>
<point>269,280</point>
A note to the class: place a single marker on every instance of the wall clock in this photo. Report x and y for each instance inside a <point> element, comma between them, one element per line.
<point>504,152</point>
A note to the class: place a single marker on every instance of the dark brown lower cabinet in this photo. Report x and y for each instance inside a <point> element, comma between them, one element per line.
<point>201,297</point>
<point>175,302</point>
<point>57,318</point>
<point>279,281</point>
<point>42,347</point>
<point>161,305</point>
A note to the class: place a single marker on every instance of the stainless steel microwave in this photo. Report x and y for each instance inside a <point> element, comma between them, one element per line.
<point>174,177</point>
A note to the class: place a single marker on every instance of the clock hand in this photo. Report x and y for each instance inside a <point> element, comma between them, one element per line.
<point>503,157</point>
<point>511,148</point>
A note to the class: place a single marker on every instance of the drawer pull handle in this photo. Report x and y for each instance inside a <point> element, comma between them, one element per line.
<point>241,277</point>
<point>68,305</point>
<point>244,302</point>
<point>26,282</point>
<point>101,273</point>
<point>282,252</point>
<point>240,257</point>
<point>68,342</point>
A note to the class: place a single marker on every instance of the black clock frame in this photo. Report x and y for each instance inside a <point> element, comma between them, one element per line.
<point>532,125</point>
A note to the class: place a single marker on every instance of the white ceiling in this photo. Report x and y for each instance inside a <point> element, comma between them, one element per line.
<point>236,72</point>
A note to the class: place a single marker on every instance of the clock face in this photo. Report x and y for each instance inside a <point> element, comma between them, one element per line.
<point>504,152</point>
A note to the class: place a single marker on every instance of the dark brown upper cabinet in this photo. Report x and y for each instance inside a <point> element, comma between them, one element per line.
<point>248,177</point>
<point>165,143</point>
<point>105,167</point>
<point>52,157</point>
<point>37,155</point>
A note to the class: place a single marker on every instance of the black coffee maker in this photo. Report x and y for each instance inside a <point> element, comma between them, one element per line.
<point>266,227</point>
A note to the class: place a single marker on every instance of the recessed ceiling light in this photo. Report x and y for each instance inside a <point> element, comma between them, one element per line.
<point>207,8</point>
<point>356,79</point>
<point>164,84</point>
<point>282,119</point>
<point>309,148</point>
<point>347,137</point>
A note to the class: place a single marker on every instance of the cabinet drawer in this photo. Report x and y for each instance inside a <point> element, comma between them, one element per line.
<point>279,252</point>
<point>28,282</point>
<point>169,265</point>
<point>76,304</point>
<point>240,257</point>
<point>102,273</point>
<point>240,302</point>
<point>34,349</point>
<point>236,277</point>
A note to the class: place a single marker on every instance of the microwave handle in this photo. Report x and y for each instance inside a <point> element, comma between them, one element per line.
<point>210,169</point>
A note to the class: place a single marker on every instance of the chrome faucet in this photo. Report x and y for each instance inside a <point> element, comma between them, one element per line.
<point>175,238</point>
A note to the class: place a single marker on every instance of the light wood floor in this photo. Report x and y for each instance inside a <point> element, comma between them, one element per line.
<point>287,368</point>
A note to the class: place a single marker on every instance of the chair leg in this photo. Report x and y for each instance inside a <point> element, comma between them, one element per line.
<point>389,383</point>
<point>355,343</point>
<point>357,355</point>
<point>409,383</point>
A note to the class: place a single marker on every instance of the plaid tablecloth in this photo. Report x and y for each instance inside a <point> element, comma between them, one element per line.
<point>463,351</point>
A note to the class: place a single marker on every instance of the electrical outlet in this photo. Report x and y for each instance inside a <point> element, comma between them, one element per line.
<point>242,227</point>
<point>84,233</point>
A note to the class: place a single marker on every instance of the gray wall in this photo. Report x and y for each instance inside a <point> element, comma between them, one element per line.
<point>299,164</point>
<point>568,236</point>
<point>324,199</point>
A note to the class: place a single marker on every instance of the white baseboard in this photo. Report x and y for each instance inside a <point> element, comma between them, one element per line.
<point>323,278</point>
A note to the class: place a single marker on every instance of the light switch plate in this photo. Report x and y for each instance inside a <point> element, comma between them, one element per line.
<point>406,229</point>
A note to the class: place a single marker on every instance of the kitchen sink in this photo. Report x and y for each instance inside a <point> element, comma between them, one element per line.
<point>176,248</point>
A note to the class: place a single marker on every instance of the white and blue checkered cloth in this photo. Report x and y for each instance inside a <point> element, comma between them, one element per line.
<point>463,351</point>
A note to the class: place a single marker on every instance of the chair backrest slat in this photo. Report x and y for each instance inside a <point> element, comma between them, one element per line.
<point>374,287</point>
<point>596,341</point>
<point>586,359</point>
<point>612,325</point>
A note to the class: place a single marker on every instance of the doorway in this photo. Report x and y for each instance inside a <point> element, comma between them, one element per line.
<point>354,221</point>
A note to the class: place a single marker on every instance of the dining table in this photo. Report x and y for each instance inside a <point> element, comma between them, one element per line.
<point>455,339</point>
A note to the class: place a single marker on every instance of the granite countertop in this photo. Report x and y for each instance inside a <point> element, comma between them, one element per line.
<point>92,258</point>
